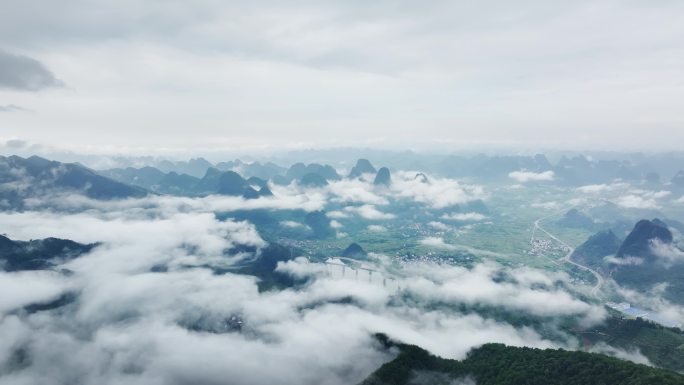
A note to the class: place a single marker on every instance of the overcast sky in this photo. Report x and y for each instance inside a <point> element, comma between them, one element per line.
<point>146,76</point>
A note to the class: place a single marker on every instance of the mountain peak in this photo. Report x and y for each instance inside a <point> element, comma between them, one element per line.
<point>599,245</point>
<point>638,242</point>
<point>383,177</point>
<point>313,180</point>
<point>363,166</point>
<point>678,179</point>
<point>354,251</point>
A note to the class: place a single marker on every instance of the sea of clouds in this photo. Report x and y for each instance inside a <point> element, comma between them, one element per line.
<point>131,323</point>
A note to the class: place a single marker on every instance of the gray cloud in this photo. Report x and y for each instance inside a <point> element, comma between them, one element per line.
<point>11,108</point>
<point>23,73</point>
<point>353,73</point>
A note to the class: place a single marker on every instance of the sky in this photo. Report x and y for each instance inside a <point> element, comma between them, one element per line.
<point>134,76</point>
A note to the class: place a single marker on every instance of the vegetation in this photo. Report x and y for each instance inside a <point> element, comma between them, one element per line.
<point>493,364</point>
<point>663,346</point>
<point>38,254</point>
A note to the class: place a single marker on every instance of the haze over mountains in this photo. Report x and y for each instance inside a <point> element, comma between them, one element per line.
<point>25,178</point>
<point>574,167</point>
<point>654,170</point>
<point>646,257</point>
<point>341,192</point>
<point>148,255</point>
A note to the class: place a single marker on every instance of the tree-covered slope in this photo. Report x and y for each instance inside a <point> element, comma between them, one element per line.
<point>22,178</point>
<point>493,364</point>
<point>664,347</point>
<point>38,254</point>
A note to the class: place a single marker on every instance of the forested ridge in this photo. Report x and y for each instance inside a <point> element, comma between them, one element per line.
<point>495,364</point>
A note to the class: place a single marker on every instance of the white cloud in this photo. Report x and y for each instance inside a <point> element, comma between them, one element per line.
<point>530,176</point>
<point>595,188</point>
<point>668,252</point>
<point>132,325</point>
<point>292,224</point>
<point>337,214</point>
<point>355,191</point>
<point>139,241</point>
<point>437,242</point>
<point>464,217</point>
<point>637,202</point>
<point>376,228</point>
<point>624,261</point>
<point>661,194</point>
<point>437,193</point>
<point>285,197</point>
<point>634,355</point>
<point>547,205</point>
<point>479,286</point>
<point>296,330</point>
<point>642,199</point>
<point>369,212</point>
<point>44,286</point>
<point>439,225</point>
<point>336,225</point>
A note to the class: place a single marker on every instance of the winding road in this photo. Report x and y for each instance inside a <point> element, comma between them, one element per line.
<point>567,258</point>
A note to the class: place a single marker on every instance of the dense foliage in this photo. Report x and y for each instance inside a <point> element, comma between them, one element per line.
<point>493,364</point>
<point>663,346</point>
<point>38,254</point>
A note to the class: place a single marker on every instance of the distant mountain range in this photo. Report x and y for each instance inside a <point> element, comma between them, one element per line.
<point>35,177</point>
<point>213,181</point>
<point>657,170</point>
<point>22,178</point>
<point>174,183</point>
<point>38,254</point>
<point>173,177</point>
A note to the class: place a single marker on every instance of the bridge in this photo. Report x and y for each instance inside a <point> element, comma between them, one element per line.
<point>336,268</point>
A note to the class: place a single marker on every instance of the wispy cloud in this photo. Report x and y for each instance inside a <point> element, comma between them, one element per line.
<point>464,217</point>
<point>524,176</point>
<point>369,212</point>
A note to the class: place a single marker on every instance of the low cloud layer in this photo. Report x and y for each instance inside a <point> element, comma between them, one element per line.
<point>642,199</point>
<point>626,196</point>
<point>601,188</point>
<point>524,176</point>
<point>434,192</point>
<point>134,324</point>
<point>369,212</point>
<point>668,252</point>
<point>437,242</point>
<point>464,217</point>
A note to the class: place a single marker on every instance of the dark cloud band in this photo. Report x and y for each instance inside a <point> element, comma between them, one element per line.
<point>25,74</point>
